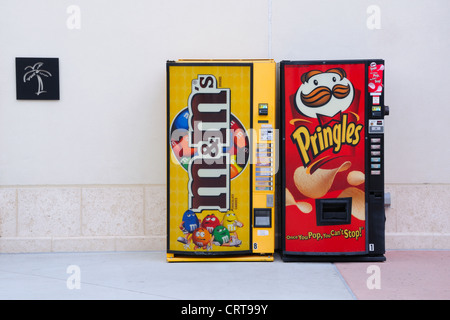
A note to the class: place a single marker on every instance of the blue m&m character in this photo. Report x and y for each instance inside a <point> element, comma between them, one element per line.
<point>189,222</point>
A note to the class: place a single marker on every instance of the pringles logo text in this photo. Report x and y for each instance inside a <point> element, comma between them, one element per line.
<point>209,125</point>
<point>331,135</point>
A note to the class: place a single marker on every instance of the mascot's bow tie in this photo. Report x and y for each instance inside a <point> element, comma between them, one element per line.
<point>324,120</point>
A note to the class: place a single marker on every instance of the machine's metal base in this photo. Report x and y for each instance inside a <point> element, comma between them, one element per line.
<point>328,258</point>
<point>255,258</point>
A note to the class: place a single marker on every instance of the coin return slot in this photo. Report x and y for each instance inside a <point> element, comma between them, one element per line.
<point>262,218</point>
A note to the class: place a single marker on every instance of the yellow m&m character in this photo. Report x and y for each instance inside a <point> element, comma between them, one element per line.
<point>231,222</point>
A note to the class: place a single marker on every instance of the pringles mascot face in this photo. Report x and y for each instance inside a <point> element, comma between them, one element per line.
<point>324,93</point>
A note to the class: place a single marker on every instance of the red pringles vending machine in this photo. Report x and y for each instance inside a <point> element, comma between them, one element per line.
<point>332,168</point>
<point>221,160</point>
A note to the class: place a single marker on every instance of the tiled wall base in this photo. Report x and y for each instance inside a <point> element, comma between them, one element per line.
<point>419,216</point>
<point>133,218</point>
<point>82,244</point>
<point>82,218</point>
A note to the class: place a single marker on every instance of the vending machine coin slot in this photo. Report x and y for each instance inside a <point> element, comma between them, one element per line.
<point>269,200</point>
<point>376,126</point>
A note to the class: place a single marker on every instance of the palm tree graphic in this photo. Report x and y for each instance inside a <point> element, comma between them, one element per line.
<point>36,71</point>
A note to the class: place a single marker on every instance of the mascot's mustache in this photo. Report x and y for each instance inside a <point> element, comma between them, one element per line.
<point>321,95</point>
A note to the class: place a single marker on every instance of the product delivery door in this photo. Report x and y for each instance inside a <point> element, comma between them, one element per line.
<point>208,171</point>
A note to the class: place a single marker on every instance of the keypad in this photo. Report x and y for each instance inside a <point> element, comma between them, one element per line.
<point>264,166</point>
<point>375,156</point>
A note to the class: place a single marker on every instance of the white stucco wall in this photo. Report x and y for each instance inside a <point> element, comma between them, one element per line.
<point>72,168</point>
<point>109,125</point>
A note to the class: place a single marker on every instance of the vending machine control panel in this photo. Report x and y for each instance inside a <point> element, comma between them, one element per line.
<point>375,156</point>
<point>264,156</point>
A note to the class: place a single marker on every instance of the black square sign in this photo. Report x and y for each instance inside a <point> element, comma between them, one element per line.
<point>37,78</point>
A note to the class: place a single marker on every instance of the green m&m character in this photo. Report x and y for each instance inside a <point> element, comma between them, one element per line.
<point>221,235</point>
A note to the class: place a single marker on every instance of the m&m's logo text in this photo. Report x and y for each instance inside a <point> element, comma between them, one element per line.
<point>209,134</point>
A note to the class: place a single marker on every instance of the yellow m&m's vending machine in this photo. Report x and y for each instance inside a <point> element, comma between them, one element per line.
<point>221,160</point>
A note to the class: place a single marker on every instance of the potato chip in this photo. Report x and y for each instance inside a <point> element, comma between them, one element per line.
<point>355,178</point>
<point>317,184</point>
<point>302,206</point>
<point>358,202</point>
<point>289,198</point>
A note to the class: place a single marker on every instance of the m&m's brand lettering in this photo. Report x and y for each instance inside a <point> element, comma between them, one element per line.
<point>209,125</point>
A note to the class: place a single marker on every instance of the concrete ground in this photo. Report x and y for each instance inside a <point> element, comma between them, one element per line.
<point>147,276</point>
<point>406,275</point>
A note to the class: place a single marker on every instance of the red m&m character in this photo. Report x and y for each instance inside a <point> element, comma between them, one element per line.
<point>210,222</point>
